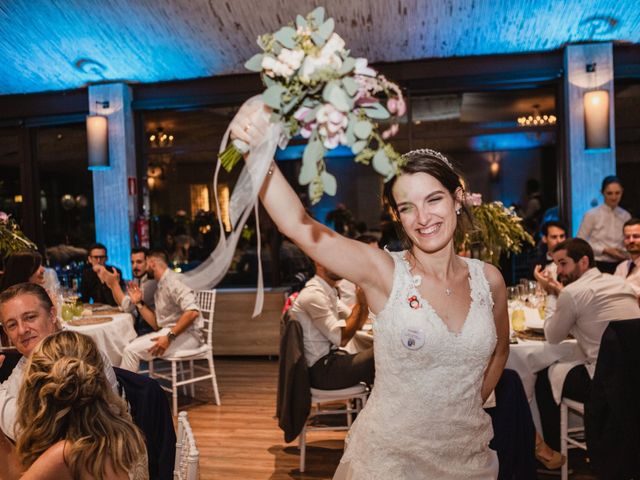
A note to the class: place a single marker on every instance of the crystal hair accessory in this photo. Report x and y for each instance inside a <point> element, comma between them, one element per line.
<point>431,153</point>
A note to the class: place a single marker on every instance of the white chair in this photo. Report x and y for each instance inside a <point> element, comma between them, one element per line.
<point>354,397</point>
<point>187,456</point>
<point>570,437</point>
<point>206,300</point>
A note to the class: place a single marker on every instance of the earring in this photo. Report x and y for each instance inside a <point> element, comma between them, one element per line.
<point>458,211</point>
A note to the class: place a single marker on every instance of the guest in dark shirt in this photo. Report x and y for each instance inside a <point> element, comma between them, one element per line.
<point>92,288</point>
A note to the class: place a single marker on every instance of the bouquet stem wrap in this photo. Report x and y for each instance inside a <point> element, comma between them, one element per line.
<point>244,200</point>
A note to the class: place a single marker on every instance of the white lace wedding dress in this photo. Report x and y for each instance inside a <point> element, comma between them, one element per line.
<point>424,418</point>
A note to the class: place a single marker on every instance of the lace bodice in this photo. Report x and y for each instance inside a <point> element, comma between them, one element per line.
<point>424,418</point>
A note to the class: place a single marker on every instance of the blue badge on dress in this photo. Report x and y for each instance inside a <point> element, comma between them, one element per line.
<point>413,338</point>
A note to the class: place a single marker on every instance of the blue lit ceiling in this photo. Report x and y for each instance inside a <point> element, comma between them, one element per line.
<point>64,44</point>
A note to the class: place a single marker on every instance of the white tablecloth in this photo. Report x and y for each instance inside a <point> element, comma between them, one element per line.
<point>528,357</point>
<point>110,337</point>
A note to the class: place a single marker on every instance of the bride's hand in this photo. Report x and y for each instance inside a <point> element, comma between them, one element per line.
<point>251,123</point>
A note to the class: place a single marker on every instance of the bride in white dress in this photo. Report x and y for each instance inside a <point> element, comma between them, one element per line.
<point>441,326</point>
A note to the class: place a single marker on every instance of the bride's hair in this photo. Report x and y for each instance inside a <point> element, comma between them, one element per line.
<point>439,167</point>
<point>65,396</point>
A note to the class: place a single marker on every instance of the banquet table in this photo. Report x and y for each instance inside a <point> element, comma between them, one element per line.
<point>111,337</point>
<point>528,357</point>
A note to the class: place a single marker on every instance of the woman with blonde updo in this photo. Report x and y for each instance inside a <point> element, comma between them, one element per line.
<point>72,424</point>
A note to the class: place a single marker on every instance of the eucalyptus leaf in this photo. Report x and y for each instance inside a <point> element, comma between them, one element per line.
<point>348,65</point>
<point>275,118</point>
<point>358,146</point>
<point>254,63</point>
<point>318,15</point>
<point>313,152</point>
<point>326,29</point>
<point>301,22</point>
<point>317,39</point>
<point>337,97</point>
<point>272,96</point>
<point>286,36</point>
<point>351,136</point>
<point>377,111</point>
<point>268,81</point>
<point>290,105</point>
<point>362,129</point>
<point>350,85</point>
<point>329,183</point>
<point>308,172</point>
<point>382,164</point>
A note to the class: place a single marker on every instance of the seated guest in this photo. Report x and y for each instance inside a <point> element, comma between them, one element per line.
<point>27,315</point>
<point>22,267</point>
<point>629,269</point>
<point>582,303</point>
<point>91,287</point>
<point>175,320</point>
<point>552,234</point>
<point>72,425</point>
<point>321,315</point>
<point>141,278</point>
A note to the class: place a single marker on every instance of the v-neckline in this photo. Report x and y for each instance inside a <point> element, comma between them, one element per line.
<point>424,301</point>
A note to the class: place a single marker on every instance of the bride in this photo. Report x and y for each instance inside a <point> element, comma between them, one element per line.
<point>441,322</point>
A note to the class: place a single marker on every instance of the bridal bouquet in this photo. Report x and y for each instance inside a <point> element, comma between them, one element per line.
<point>315,89</point>
<point>496,229</point>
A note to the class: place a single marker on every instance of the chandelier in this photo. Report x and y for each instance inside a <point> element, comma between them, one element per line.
<point>536,120</point>
<point>160,139</point>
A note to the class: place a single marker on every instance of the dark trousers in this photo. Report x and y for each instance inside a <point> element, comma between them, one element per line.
<point>340,369</point>
<point>577,386</point>
<point>513,429</point>
<point>607,267</point>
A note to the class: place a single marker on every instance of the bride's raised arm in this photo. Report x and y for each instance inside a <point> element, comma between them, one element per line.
<point>368,267</point>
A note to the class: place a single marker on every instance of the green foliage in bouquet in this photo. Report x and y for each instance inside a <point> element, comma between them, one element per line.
<point>496,229</point>
<point>11,237</point>
<point>317,90</point>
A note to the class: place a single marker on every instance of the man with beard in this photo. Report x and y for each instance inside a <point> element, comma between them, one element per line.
<point>176,319</point>
<point>582,303</point>
<point>328,324</point>
<point>629,270</point>
<point>141,278</point>
<point>552,234</point>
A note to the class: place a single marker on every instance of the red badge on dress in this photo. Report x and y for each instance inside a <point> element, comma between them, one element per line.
<point>414,302</point>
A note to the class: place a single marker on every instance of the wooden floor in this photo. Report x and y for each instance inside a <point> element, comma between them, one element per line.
<point>241,439</point>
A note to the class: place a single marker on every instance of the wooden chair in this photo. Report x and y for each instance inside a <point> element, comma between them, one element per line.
<point>206,300</point>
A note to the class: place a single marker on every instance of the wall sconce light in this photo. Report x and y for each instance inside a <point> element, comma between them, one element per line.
<point>98,142</point>
<point>596,119</point>
<point>494,170</point>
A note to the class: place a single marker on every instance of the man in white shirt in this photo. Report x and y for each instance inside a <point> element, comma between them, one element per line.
<point>581,303</point>
<point>602,227</point>
<point>175,321</point>
<point>629,269</point>
<point>328,324</point>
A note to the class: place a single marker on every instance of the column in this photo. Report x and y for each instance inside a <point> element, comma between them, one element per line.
<point>588,67</point>
<point>114,188</point>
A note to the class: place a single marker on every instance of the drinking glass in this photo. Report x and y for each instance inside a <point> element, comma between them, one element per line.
<point>517,320</point>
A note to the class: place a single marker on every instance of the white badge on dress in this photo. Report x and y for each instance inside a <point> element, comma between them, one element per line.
<point>413,338</point>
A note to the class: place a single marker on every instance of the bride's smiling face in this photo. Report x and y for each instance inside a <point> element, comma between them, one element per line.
<point>426,210</point>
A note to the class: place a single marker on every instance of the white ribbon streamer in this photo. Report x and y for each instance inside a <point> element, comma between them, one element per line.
<point>244,200</point>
